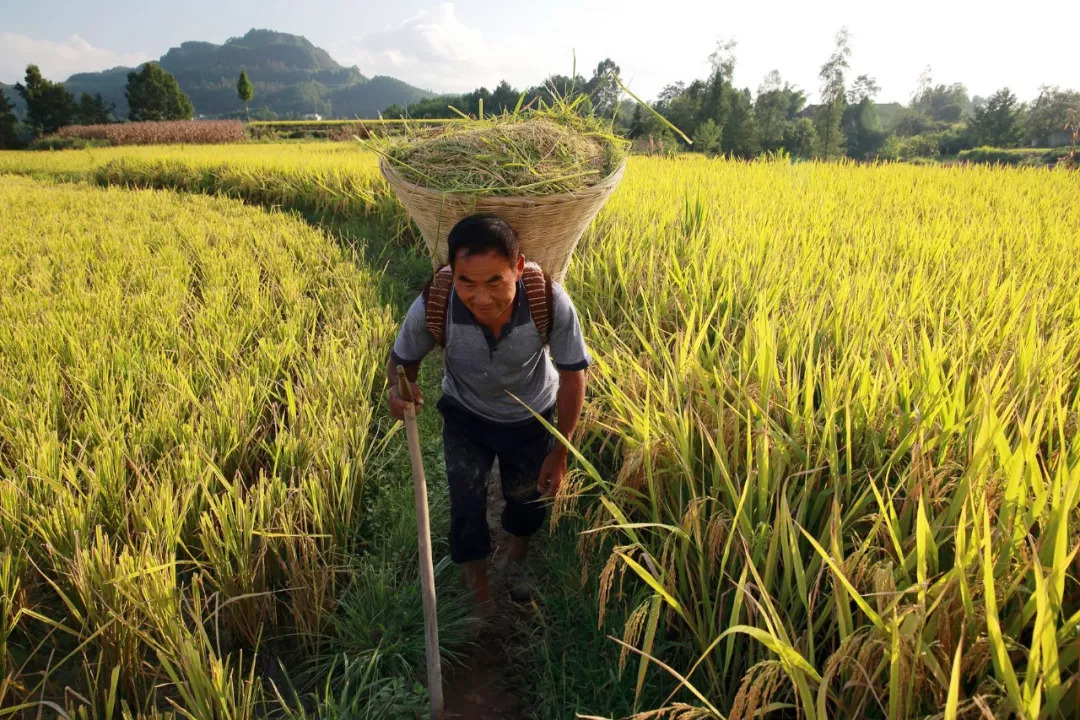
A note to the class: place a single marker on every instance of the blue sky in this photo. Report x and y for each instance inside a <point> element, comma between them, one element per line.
<point>456,46</point>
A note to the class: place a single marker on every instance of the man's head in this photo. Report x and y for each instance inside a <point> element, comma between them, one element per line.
<point>487,264</point>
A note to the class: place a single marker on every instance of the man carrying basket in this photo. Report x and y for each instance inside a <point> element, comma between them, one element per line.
<point>508,330</point>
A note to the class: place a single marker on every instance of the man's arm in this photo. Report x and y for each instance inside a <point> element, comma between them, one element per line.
<point>566,345</point>
<point>397,405</point>
<point>569,401</point>
<point>413,341</point>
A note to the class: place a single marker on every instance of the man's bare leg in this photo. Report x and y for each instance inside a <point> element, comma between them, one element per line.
<point>476,578</point>
<point>519,546</point>
<point>521,589</point>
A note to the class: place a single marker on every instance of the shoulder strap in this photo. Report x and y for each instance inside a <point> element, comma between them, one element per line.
<point>538,291</point>
<point>541,303</point>
<point>436,298</point>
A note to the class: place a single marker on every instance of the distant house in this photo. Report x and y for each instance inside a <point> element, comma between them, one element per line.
<point>312,116</point>
<point>1061,138</point>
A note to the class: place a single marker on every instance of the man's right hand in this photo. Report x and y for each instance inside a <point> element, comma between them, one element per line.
<point>397,405</point>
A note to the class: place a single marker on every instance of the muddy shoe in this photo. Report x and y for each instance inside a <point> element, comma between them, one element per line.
<point>520,581</point>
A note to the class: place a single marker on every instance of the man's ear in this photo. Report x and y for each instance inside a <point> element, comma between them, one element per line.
<point>520,269</point>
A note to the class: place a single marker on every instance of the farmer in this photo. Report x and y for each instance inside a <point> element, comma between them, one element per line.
<point>493,347</point>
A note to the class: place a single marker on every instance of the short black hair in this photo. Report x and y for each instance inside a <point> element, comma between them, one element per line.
<point>480,233</point>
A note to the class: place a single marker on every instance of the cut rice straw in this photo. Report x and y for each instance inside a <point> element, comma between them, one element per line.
<point>551,149</point>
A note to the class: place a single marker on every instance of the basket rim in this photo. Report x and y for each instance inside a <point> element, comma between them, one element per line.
<point>600,188</point>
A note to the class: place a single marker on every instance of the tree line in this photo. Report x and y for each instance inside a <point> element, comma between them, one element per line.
<point>940,119</point>
<point>720,118</point>
<point>152,94</point>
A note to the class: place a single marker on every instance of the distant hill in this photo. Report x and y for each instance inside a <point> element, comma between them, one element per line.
<point>291,76</point>
<point>16,98</point>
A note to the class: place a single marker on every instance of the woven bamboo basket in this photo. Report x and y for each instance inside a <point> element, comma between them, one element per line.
<point>548,226</point>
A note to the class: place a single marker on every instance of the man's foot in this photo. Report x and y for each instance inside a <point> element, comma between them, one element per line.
<point>485,609</point>
<point>520,581</point>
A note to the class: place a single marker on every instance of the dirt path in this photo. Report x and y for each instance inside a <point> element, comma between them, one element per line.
<point>479,691</point>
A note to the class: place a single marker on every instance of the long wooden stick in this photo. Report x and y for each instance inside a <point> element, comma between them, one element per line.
<point>423,530</point>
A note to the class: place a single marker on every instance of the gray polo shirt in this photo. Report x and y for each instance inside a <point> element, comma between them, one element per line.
<point>480,372</point>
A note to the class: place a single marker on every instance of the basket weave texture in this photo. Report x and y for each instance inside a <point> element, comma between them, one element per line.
<point>548,226</point>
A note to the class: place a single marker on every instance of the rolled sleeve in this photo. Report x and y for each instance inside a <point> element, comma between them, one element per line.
<point>414,340</point>
<point>566,341</point>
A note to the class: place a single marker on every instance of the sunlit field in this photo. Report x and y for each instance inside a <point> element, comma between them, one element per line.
<point>829,467</point>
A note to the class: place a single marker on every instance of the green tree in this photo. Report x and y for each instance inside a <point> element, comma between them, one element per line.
<point>49,106</point>
<point>681,105</point>
<point>625,116</point>
<point>862,127</point>
<point>436,107</point>
<point>740,134</point>
<point>472,100</point>
<point>564,86</point>
<point>504,97</point>
<point>775,107</point>
<point>942,103</point>
<point>831,112</point>
<point>153,94</point>
<point>864,87</point>
<point>1049,113</point>
<point>731,110</point>
<point>861,124</point>
<point>800,138</point>
<point>246,91</point>
<point>8,136</point>
<point>997,122</point>
<point>603,89</point>
<point>714,95</point>
<point>93,110</point>
<point>707,137</point>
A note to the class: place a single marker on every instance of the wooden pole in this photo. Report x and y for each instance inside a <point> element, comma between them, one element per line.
<point>423,531</point>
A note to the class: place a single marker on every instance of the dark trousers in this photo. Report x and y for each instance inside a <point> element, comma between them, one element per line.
<point>470,446</point>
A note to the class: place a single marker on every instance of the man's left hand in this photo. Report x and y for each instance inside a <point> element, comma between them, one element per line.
<point>552,472</point>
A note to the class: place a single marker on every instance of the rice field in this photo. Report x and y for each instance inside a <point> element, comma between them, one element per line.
<point>159,132</point>
<point>836,434</point>
<point>190,392</point>
<point>830,465</point>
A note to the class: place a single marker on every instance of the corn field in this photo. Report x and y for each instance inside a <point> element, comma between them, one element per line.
<point>830,464</point>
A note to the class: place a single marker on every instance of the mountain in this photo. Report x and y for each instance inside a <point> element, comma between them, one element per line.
<point>291,76</point>
<point>15,98</point>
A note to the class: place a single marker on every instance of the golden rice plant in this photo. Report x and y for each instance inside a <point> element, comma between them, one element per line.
<point>836,415</point>
<point>189,388</point>
<point>832,430</point>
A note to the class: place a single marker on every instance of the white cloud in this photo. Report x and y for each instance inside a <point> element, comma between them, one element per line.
<point>57,60</point>
<point>433,49</point>
<point>438,50</point>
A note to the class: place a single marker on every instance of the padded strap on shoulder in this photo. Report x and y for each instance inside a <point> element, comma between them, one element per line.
<point>538,291</point>
<point>436,300</point>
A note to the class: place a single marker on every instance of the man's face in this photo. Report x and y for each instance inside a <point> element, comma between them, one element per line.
<point>486,283</point>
